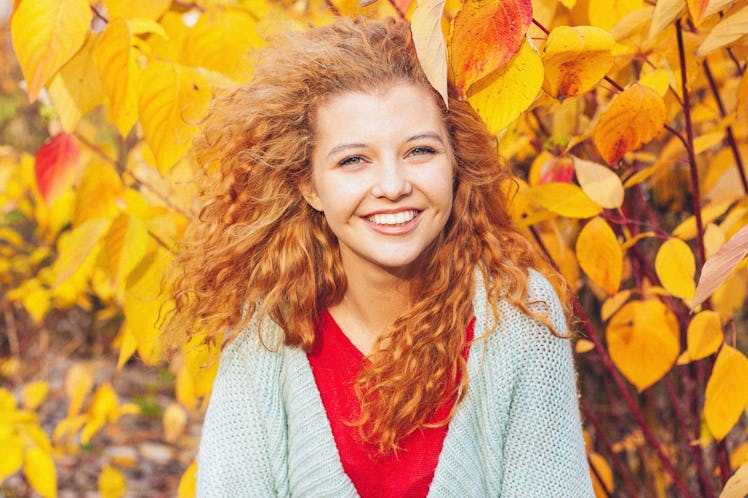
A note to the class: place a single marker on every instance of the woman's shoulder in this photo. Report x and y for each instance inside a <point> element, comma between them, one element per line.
<point>517,330</point>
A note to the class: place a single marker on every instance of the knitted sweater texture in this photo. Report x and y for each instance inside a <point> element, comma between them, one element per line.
<point>517,432</point>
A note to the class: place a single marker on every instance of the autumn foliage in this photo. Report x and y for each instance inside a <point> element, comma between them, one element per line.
<point>627,124</point>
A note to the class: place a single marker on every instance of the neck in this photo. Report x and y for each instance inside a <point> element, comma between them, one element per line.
<point>373,301</point>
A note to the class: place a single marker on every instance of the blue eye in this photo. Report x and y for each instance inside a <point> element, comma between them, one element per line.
<point>351,161</point>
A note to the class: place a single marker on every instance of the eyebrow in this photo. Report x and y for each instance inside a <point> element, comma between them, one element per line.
<point>342,147</point>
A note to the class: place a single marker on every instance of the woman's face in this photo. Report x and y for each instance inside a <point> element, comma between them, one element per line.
<point>382,173</point>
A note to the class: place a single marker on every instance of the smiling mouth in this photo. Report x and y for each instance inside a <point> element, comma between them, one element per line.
<point>393,219</point>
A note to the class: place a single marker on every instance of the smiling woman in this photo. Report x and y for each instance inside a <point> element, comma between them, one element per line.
<point>387,330</point>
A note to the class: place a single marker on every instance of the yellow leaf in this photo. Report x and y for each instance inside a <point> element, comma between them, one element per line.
<point>600,183</point>
<point>431,47</point>
<point>564,199</point>
<point>76,88</point>
<point>201,359</point>
<point>12,459</point>
<point>188,483</point>
<point>697,8</point>
<point>737,485</point>
<point>221,40</point>
<point>603,470</point>
<point>583,346</point>
<point>658,80</point>
<point>76,247</point>
<point>185,388</point>
<point>606,14</point>
<point>172,100</point>
<point>576,59</point>
<point>68,426</point>
<point>123,246</point>
<point>111,483</point>
<point>714,238</point>
<point>687,229</point>
<point>739,456</point>
<point>632,24</point>
<point>105,404</point>
<point>34,394</point>
<point>613,304</point>
<point>46,33</point>
<point>115,61</point>
<point>704,335</point>
<point>675,267</point>
<point>78,382</point>
<point>146,302</point>
<point>97,193</point>
<point>726,391</point>
<point>599,255</point>
<point>634,117</point>
<point>127,348</point>
<point>728,30</point>
<point>174,420</point>
<point>665,12</point>
<point>145,9</point>
<point>643,341</point>
<point>501,97</point>
<point>40,472</point>
<point>485,36</point>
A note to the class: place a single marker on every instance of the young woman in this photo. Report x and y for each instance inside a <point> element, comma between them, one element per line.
<point>389,331</point>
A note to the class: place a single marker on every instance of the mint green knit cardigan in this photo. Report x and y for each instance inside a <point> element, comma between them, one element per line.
<point>517,432</point>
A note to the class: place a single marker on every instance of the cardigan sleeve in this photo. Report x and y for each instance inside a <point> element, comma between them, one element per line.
<point>544,448</point>
<point>242,447</point>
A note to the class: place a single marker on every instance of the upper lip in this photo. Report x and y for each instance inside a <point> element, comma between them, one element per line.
<point>390,211</point>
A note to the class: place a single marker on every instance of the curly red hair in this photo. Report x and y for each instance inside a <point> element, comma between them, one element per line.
<point>258,247</point>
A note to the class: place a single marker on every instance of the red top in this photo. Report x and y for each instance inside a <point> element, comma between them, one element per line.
<point>336,363</point>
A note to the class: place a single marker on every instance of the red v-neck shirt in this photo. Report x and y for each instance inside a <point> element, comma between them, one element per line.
<point>336,363</point>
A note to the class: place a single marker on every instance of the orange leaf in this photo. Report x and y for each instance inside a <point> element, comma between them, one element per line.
<point>720,266</point>
<point>643,341</point>
<point>634,117</point>
<point>55,164</point>
<point>46,33</point>
<point>486,35</point>
<point>726,391</point>
<point>431,48</point>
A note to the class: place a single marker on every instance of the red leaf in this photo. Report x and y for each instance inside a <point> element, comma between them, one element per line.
<point>55,162</point>
<point>486,36</point>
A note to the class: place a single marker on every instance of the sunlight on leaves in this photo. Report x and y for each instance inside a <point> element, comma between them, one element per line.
<point>431,47</point>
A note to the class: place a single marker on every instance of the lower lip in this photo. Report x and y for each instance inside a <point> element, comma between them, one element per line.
<point>392,229</point>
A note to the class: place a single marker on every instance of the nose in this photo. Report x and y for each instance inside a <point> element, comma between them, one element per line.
<point>391,180</point>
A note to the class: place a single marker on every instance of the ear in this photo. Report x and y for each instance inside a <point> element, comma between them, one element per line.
<point>309,193</point>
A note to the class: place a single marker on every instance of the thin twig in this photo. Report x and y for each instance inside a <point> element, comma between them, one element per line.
<point>689,145</point>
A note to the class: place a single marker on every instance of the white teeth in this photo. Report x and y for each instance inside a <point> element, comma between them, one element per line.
<point>393,218</point>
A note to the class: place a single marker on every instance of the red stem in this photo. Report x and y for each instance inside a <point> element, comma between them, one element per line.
<point>689,145</point>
